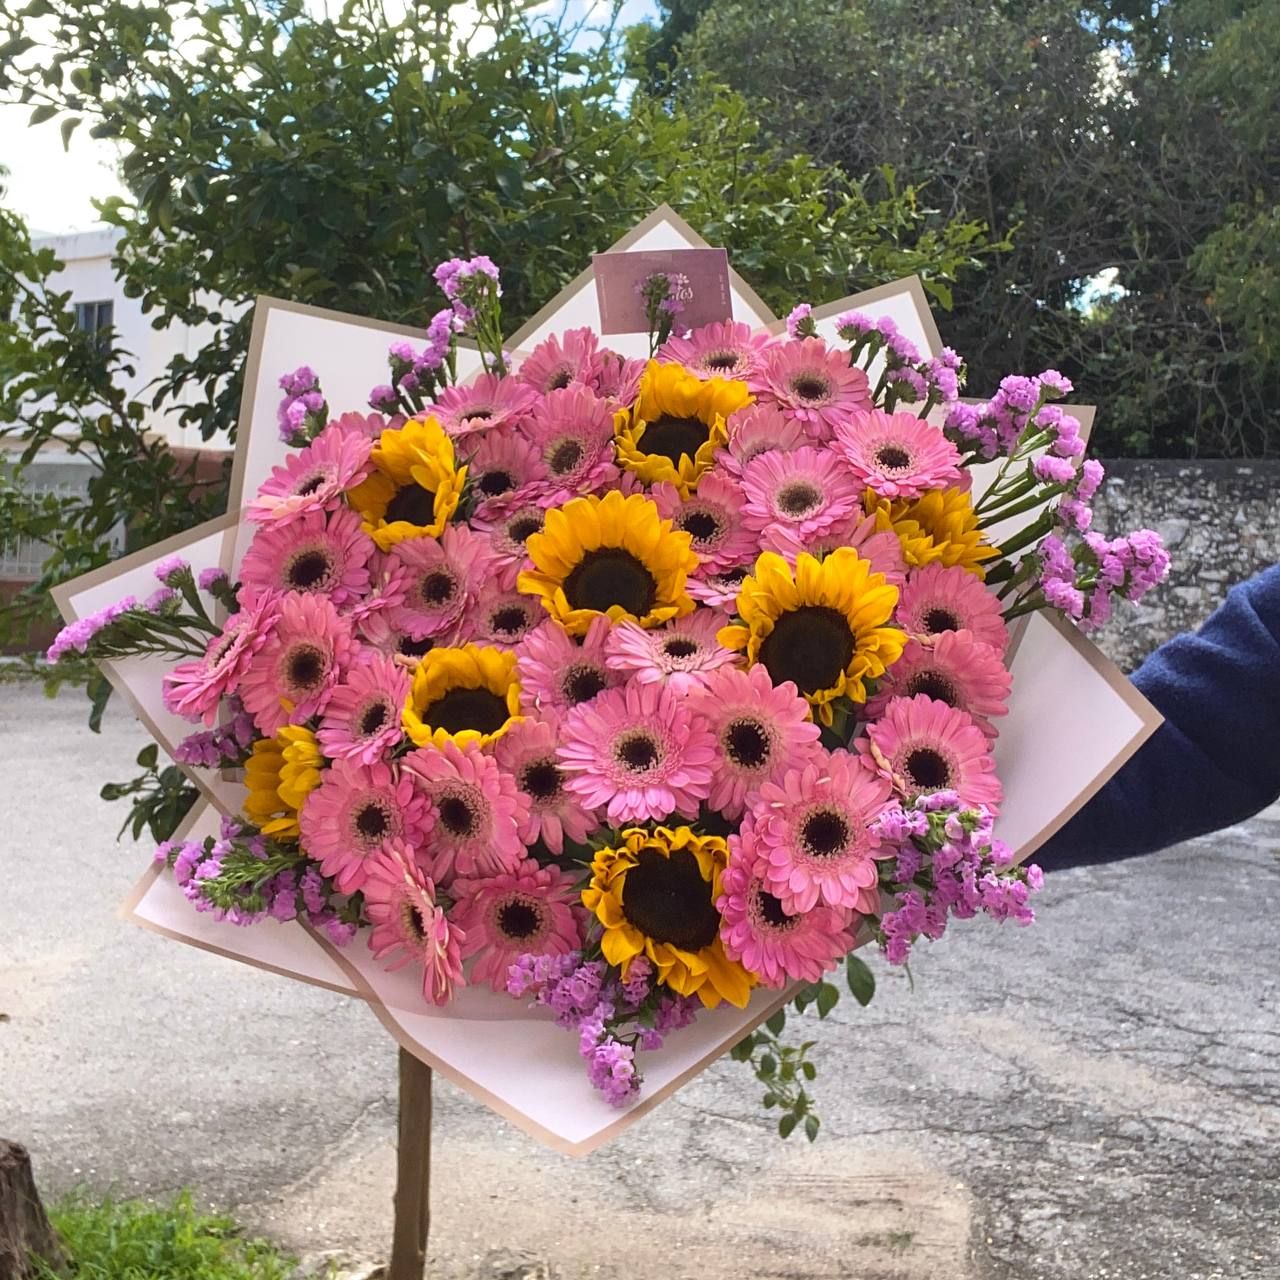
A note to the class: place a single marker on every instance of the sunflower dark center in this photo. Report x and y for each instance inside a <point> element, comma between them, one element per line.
<point>307,666</point>
<point>940,620</point>
<point>308,570</point>
<point>934,684</point>
<point>412,648</point>
<point>721,360</point>
<point>701,524</point>
<point>496,482</point>
<point>672,438</point>
<point>811,645</point>
<point>372,821</point>
<point>893,456</point>
<point>460,709</point>
<point>581,684</point>
<point>456,815</point>
<point>771,912</point>
<point>310,485</point>
<point>611,576</point>
<point>565,456</point>
<point>799,498</point>
<point>679,647</point>
<point>824,833</point>
<point>638,752</point>
<point>413,504</point>
<point>524,528</point>
<point>374,718</point>
<point>510,620</point>
<point>747,744</point>
<point>541,779</point>
<point>518,919</point>
<point>928,768</point>
<point>668,900</point>
<point>810,386</point>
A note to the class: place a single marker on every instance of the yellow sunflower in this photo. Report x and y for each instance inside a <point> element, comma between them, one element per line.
<point>938,527</point>
<point>676,425</point>
<point>655,894</point>
<point>415,484</point>
<point>613,555</point>
<point>279,774</point>
<point>822,626</point>
<point>462,695</point>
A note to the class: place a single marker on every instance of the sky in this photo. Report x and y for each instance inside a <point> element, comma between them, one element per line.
<point>53,190</point>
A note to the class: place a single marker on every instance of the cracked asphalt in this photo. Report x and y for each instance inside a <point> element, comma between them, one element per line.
<point>1093,1097</point>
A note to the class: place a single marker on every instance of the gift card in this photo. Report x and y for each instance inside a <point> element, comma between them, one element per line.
<point>698,283</point>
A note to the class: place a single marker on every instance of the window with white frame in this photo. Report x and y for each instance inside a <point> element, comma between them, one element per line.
<point>21,559</point>
<point>92,316</point>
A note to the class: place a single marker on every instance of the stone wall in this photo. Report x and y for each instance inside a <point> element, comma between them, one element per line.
<point>1221,522</point>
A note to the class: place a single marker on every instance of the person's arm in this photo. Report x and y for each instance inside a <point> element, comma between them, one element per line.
<point>1215,760</point>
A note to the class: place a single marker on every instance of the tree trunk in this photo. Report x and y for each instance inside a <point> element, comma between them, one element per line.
<point>25,1230</point>
<point>413,1172</point>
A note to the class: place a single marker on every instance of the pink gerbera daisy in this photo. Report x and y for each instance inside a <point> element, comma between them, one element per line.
<point>507,533</point>
<point>897,454</point>
<point>728,349</point>
<point>386,634</point>
<point>291,677</point>
<point>388,581</point>
<point>477,809</point>
<point>814,828</point>
<point>775,945</point>
<point>856,531</point>
<point>637,754</point>
<point>194,690</point>
<point>357,812</point>
<point>954,668</point>
<point>362,720</point>
<point>502,465</point>
<point>937,599</point>
<point>312,553</point>
<point>922,745</point>
<point>760,731</point>
<point>442,578</point>
<point>557,673</point>
<point>812,384</point>
<point>526,911</point>
<point>502,618</point>
<point>527,751</point>
<point>410,926</point>
<point>712,516</point>
<point>617,379</point>
<point>483,404</point>
<point>681,654</point>
<point>806,491</point>
<point>311,479</point>
<point>572,433</point>
<point>561,361</point>
<point>718,588</point>
<point>757,429</point>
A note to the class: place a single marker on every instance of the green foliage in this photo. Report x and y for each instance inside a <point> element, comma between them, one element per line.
<point>132,1240</point>
<point>163,797</point>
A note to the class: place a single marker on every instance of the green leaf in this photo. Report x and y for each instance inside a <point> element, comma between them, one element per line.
<point>777,1022</point>
<point>768,1067</point>
<point>787,1124</point>
<point>99,691</point>
<point>42,113</point>
<point>68,127</point>
<point>148,756</point>
<point>862,982</point>
<point>811,1126</point>
<point>828,998</point>
<point>741,1052</point>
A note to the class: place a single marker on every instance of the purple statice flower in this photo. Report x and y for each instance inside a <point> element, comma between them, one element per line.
<point>160,597</point>
<point>1091,474</point>
<point>384,399</point>
<point>301,380</point>
<point>213,579</point>
<point>410,383</point>
<point>611,1068</point>
<point>1019,393</point>
<point>675,1012</point>
<point>303,411</point>
<point>901,349</point>
<point>78,635</point>
<point>908,384</point>
<point>942,380</point>
<point>1051,469</point>
<point>1056,383</point>
<point>314,898</point>
<point>468,284</point>
<point>172,570</point>
<point>800,322</point>
<point>401,352</point>
<point>854,324</point>
<point>968,427</point>
<point>636,988</point>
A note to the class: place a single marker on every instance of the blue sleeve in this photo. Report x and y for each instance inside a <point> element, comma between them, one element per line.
<point>1215,760</point>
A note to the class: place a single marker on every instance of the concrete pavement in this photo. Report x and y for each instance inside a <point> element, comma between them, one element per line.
<point>1094,1097</point>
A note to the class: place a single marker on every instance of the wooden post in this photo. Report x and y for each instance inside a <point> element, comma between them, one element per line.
<point>25,1231</point>
<point>413,1172</point>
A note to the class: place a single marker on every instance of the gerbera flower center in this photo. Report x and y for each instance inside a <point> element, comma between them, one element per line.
<point>438,588</point>
<point>668,900</point>
<point>811,646</point>
<point>581,684</point>
<point>679,647</point>
<point>701,524</point>
<point>523,528</point>
<point>824,833</point>
<point>541,779</point>
<point>460,709</point>
<point>611,576</point>
<point>928,769</point>
<point>721,361</point>
<point>372,820</point>
<point>746,743</point>
<point>811,386</point>
<point>935,684</point>
<point>310,484</point>
<point>413,504</point>
<point>477,415</point>
<point>308,570</point>
<point>414,648</point>
<point>414,923</point>
<point>937,620</point>
<point>374,718</point>
<point>560,379</point>
<point>496,482</point>
<point>893,457</point>
<point>672,437</point>
<point>510,620</point>
<point>565,456</point>
<point>799,498</point>
<point>456,815</point>
<point>768,910</point>
<point>519,920</point>
<point>731,577</point>
<point>637,752</point>
<point>306,667</point>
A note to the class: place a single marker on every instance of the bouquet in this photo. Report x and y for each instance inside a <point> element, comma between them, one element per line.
<point>627,686</point>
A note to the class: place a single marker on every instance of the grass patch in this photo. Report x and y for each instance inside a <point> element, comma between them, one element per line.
<point>133,1240</point>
